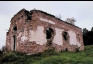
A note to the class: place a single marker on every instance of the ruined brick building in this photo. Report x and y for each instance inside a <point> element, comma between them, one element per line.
<point>35,31</point>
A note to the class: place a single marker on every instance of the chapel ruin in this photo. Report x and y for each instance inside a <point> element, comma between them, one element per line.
<point>35,31</point>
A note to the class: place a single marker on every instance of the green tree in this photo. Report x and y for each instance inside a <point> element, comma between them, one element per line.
<point>85,30</point>
<point>92,29</point>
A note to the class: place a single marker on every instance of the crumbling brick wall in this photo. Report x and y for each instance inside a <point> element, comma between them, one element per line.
<point>36,31</point>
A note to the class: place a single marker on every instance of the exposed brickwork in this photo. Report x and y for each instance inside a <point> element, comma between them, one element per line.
<point>27,33</point>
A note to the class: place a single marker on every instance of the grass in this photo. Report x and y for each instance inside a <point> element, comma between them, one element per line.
<point>50,57</point>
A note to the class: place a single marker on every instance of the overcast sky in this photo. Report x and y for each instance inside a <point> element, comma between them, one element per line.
<point>82,11</point>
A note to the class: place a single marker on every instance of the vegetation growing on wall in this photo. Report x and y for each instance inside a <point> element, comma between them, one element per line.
<point>50,57</point>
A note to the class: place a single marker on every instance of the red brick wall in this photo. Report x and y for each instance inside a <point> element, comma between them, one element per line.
<point>23,43</point>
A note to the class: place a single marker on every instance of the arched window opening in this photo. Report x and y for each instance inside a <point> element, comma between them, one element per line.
<point>65,35</point>
<point>49,33</point>
<point>15,28</point>
<point>78,37</point>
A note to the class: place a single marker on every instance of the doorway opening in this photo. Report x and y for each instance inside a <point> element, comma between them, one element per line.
<point>14,45</point>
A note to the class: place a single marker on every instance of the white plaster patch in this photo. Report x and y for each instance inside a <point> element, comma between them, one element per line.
<point>23,38</point>
<point>58,37</point>
<point>73,40</point>
<point>46,20</point>
<point>39,36</point>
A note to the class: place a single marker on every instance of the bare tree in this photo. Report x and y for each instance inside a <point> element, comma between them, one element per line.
<point>71,20</point>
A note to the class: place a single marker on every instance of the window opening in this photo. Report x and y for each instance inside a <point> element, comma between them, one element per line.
<point>65,35</point>
<point>49,33</point>
<point>15,28</point>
